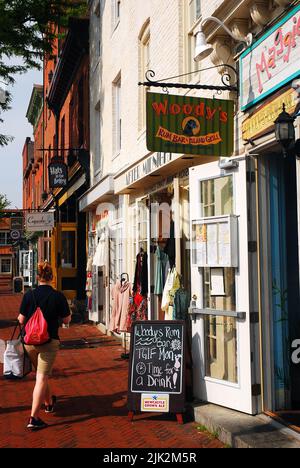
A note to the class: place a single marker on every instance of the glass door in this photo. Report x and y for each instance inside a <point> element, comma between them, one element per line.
<point>220,287</point>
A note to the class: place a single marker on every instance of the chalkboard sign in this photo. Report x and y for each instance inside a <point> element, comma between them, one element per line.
<point>157,366</point>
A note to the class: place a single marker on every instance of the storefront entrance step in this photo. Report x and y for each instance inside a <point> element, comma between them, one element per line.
<point>239,430</point>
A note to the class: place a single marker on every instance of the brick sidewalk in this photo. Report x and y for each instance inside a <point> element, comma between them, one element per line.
<point>90,380</point>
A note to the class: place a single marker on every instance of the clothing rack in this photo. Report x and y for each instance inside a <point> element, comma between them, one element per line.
<point>124,355</point>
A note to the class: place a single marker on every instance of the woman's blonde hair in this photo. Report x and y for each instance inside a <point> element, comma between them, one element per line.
<point>45,272</point>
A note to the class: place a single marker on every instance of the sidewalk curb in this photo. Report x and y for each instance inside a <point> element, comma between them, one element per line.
<point>239,430</point>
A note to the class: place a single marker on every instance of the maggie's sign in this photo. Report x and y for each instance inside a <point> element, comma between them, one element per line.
<point>271,62</point>
<point>188,125</point>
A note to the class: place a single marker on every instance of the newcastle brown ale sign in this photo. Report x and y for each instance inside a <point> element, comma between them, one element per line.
<point>189,125</point>
<point>58,174</point>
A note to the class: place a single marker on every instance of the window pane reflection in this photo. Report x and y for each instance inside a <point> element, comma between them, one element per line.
<point>68,255</point>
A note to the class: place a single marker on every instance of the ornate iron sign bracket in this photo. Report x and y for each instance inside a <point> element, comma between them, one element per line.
<point>164,84</point>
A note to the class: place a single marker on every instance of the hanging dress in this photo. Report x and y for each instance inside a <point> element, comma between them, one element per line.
<point>175,280</point>
<point>181,305</point>
<point>115,296</point>
<point>166,293</point>
<point>121,295</point>
<point>162,260</point>
<point>126,294</point>
<point>140,284</point>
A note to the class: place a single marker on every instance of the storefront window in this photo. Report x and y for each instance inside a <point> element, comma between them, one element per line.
<point>142,225</point>
<point>185,233</point>
<point>47,250</point>
<point>133,213</point>
<point>5,266</point>
<point>68,252</point>
<point>117,242</point>
<point>26,262</point>
<point>120,250</point>
<point>4,238</point>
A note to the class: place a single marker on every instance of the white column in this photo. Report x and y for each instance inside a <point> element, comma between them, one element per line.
<point>177,224</point>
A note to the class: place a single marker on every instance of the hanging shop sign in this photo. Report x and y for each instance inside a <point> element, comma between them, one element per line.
<point>189,125</point>
<point>39,221</point>
<point>17,224</point>
<point>15,234</point>
<point>58,175</point>
<point>157,367</point>
<point>5,224</point>
<point>262,121</point>
<point>271,62</point>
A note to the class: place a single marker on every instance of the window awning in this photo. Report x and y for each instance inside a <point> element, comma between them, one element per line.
<point>76,186</point>
<point>101,192</point>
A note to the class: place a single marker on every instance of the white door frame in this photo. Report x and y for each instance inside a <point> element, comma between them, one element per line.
<point>235,396</point>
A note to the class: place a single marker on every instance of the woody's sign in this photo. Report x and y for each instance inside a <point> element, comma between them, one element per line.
<point>189,125</point>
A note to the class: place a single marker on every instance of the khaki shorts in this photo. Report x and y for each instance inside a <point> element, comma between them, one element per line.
<point>42,357</point>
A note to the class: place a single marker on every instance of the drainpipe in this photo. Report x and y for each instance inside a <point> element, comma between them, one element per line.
<point>298,194</point>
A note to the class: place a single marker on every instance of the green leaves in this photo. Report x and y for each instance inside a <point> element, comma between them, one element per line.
<point>28,29</point>
<point>4,203</point>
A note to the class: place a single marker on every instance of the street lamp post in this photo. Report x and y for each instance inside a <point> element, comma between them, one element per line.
<point>285,130</point>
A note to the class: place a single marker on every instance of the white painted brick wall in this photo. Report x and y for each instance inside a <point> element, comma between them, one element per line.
<point>120,54</point>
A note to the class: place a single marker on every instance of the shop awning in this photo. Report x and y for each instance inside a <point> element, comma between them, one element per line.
<point>101,192</point>
<point>154,169</point>
<point>76,186</point>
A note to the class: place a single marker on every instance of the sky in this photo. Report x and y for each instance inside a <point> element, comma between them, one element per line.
<point>16,125</point>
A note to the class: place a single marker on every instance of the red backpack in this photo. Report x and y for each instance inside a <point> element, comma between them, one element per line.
<point>36,329</point>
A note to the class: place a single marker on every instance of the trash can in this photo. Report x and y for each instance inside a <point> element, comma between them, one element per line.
<point>18,285</point>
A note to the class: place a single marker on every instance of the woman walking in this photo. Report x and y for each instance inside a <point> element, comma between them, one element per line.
<point>54,307</point>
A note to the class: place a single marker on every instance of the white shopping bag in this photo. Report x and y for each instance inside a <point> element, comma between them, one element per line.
<point>14,358</point>
<point>16,361</point>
